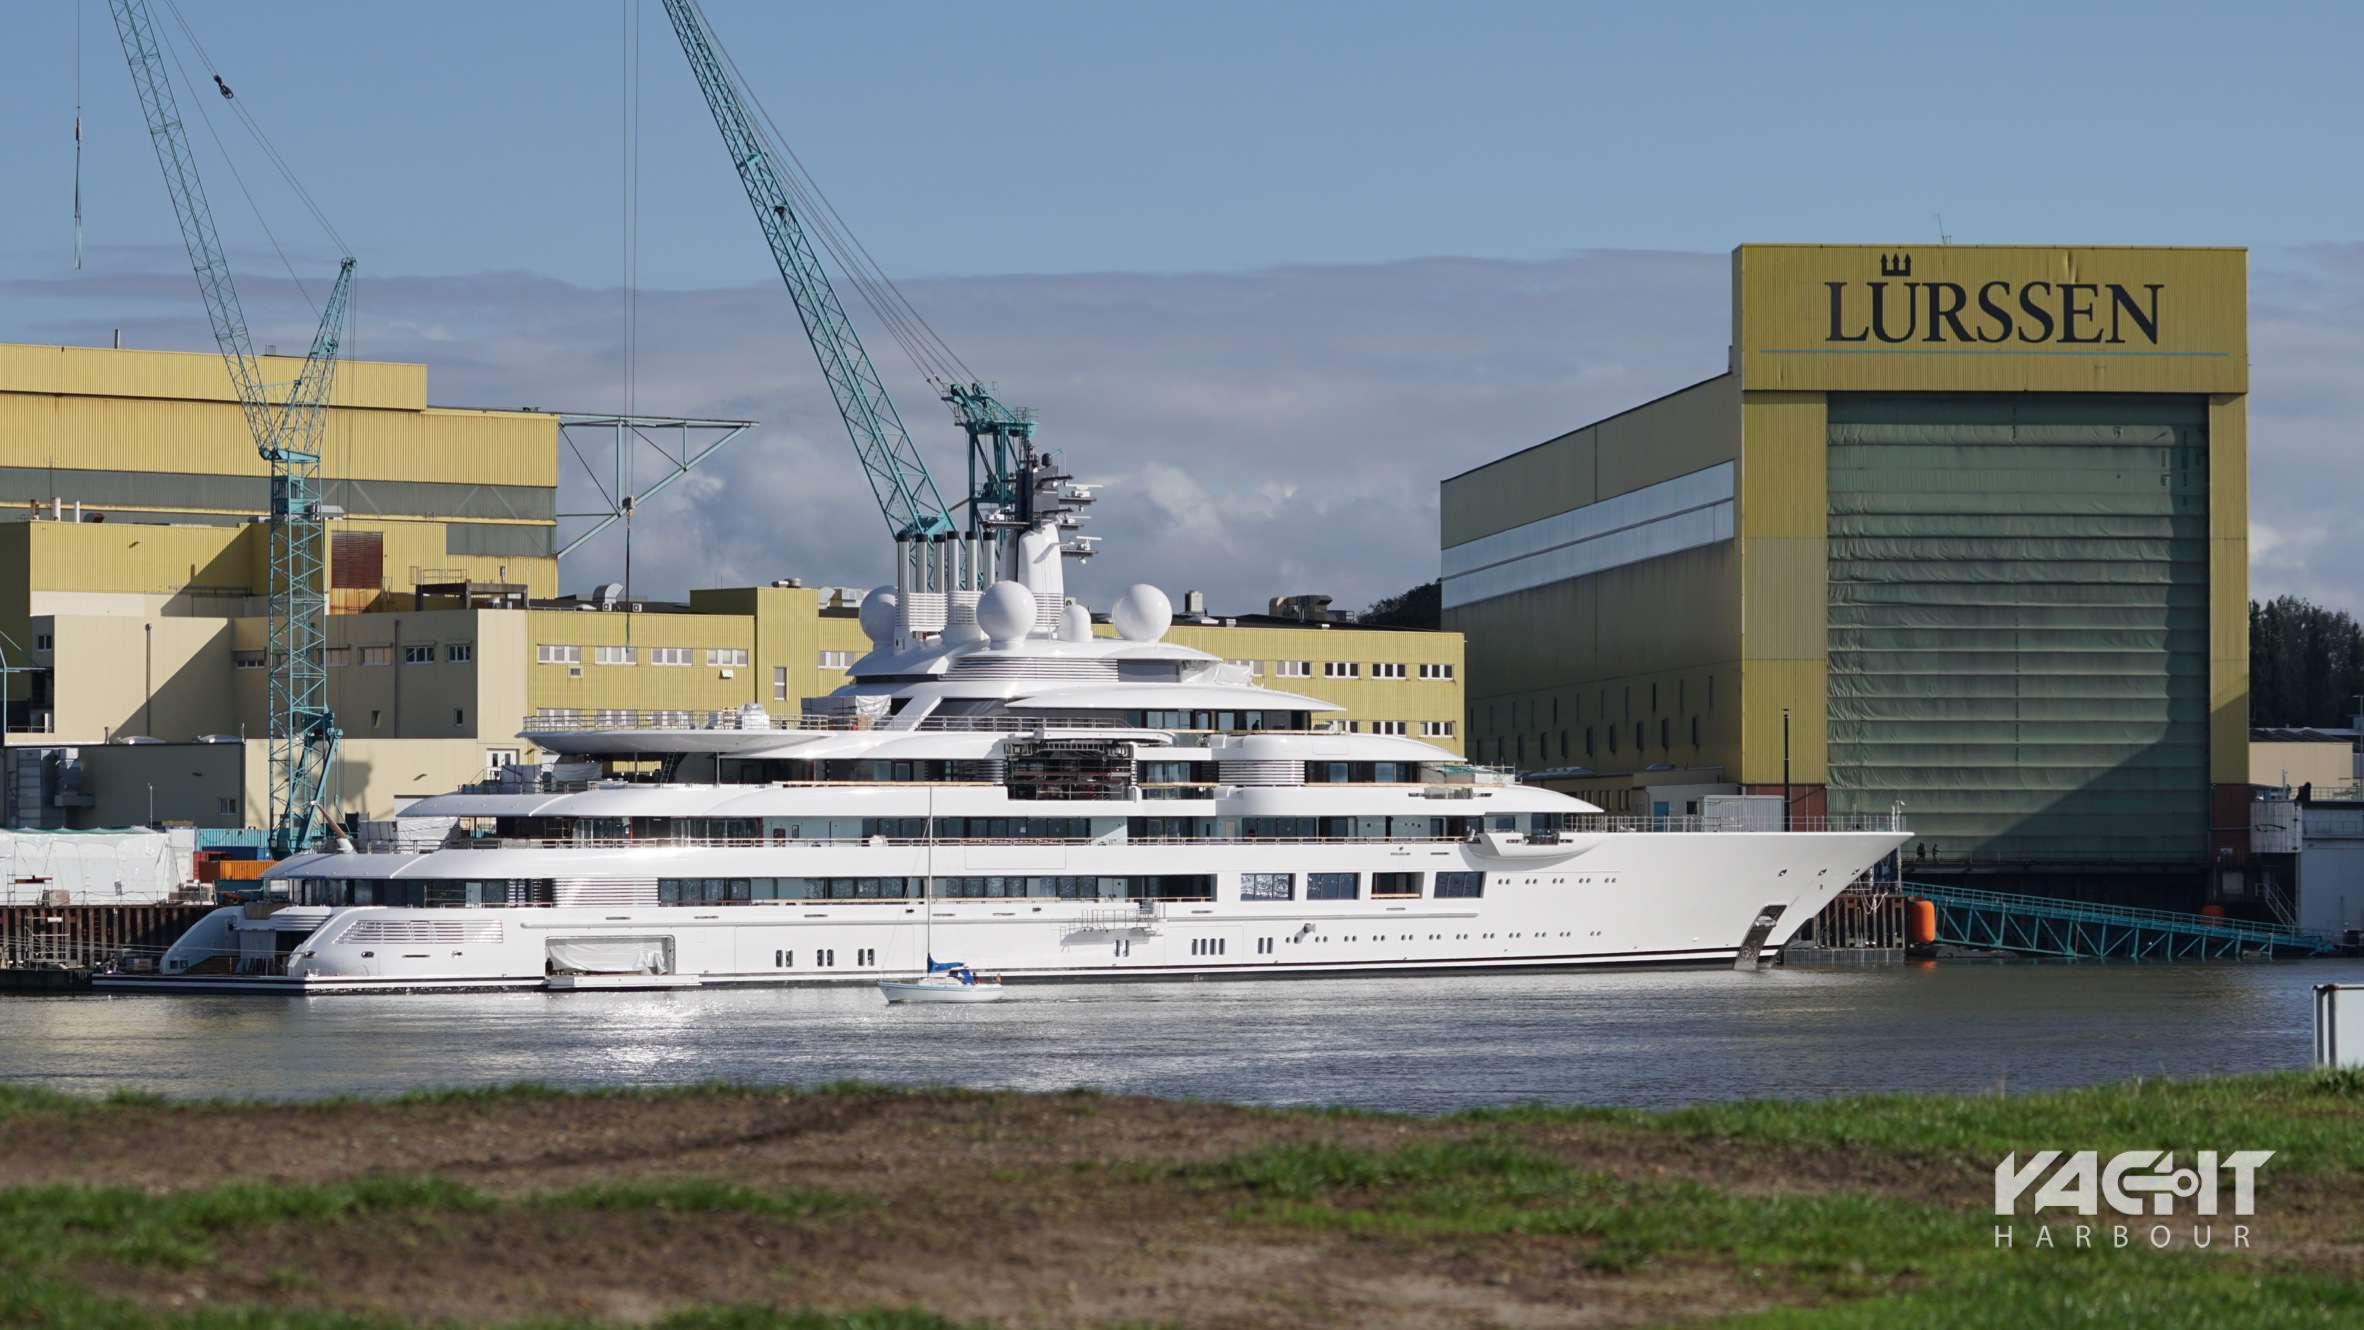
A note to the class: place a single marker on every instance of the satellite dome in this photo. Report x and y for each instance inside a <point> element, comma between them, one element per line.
<point>1006,611</point>
<point>1142,613</point>
<point>878,615</point>
<point>1075,624</point>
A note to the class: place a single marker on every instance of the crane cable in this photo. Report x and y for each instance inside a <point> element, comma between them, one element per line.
<point>927,350</point>
<point>254,130</point>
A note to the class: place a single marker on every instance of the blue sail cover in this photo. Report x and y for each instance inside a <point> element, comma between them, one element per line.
<point>938,967</point>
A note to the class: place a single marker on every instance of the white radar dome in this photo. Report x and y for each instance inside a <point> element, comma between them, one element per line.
<point>1142,613</point>
<point>1075,623</point>
<point>1006,611</point>
<point>878,615</point>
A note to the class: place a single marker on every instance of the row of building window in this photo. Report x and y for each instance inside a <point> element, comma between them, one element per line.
<point>1519,748</point>
<point>1429,729</point>
<point>552,653</point>
<point>1349,669</point>
<point>413,653</point>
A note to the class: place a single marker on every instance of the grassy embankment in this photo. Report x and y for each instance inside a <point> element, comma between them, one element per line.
<point>865,1207</point>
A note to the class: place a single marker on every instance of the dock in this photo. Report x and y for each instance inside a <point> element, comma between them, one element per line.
<point>46,947</point>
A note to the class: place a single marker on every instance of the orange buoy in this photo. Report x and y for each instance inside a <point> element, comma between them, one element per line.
<point>1924,923</point>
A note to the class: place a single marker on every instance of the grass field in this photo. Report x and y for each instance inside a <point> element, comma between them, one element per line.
<point>859,1206</point>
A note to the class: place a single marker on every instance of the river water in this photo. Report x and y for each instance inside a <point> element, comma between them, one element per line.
<point>1428,1044</point>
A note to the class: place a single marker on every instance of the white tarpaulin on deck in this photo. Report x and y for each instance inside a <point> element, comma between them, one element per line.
<point>610,955</point>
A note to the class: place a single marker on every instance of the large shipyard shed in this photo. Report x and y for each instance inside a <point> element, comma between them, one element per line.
<point>1961,527</point>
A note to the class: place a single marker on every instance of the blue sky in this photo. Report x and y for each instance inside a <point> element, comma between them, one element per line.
<point>1037,138</point>
<point>1274,268</point>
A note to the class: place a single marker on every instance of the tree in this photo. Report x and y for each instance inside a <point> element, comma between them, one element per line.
<point>1421,607</point>
<point>2306,663</point>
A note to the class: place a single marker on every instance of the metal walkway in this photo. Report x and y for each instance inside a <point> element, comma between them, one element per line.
<point>2045,926</point>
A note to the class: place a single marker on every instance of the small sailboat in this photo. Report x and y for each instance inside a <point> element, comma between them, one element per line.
<point>945,981</point>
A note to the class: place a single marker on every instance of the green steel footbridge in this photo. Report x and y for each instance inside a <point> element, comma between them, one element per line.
<point>2080,930</point>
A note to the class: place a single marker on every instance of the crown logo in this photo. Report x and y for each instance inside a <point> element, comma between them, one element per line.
<point>1896,265</point>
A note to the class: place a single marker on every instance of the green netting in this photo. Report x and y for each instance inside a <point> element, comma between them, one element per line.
<point>2019,621</point>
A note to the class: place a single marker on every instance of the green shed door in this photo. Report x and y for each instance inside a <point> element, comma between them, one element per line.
<point>2019,621</point>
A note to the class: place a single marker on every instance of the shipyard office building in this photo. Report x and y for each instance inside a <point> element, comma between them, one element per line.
<point>1973,519</point>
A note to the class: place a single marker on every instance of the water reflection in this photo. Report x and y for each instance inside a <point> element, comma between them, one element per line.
<point>1428,1044</point>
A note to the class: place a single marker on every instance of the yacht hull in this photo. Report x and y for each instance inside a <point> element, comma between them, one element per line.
<point>1588,901</point>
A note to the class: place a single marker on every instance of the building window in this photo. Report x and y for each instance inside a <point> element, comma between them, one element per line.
<point>459,653</point>
<point>1695,731</point>
<point>1333,886</point>
<point>377,655</point>
<point>419,655</point>
<point>1639,742</point>
<point>226,805</point>
<point>1387,727</point>
<point>1255,668</point>
<point>551,654</point>
<point>1292,669</point>
<point>459,716</point>
<point>611,655</point>
<point>1387,669</point>
<point>1436,670</point>
<point>726,656</point>
<point>558,716</point>
<point>837,660</point>
<point>44,641</point>
<point>1267,886</point>
<point>1460,886</point>
<point>779,683</point>
<point>1436,729</point>
<point>669,655</point>
<point>1341,669</point>
<point>1588,741</point>
<point>246,660</point>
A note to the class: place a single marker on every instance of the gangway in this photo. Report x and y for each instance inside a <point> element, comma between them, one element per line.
<point>2081,930</point>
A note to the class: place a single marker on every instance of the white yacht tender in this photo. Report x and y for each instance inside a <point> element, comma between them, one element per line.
<point>998,783</point>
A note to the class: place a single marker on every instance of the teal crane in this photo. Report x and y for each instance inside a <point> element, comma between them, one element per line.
<point>1000,439</point>
<point>287,433</point>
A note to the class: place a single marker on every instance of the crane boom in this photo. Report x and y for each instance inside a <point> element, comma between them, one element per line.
<point>304,734</point>
<point>898,479</point>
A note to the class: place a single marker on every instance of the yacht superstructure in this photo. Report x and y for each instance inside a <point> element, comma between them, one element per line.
<point>999,784</point>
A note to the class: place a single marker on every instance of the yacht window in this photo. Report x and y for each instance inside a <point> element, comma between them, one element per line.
<point>1460,886</point>
<point>1395,884</point>
<point>1333,886</point>
<point>1267,886</point>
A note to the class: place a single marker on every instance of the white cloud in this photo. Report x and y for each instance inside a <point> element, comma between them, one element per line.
<point>1264,432</point>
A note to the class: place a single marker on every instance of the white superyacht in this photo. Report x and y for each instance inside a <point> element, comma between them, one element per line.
<point>999,784</point>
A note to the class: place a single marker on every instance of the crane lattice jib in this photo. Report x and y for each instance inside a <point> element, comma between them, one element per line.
<point>150,80</point>
<point>303,731</point>
<point>899,480</point>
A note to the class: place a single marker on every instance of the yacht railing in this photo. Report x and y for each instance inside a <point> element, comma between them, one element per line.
<point>1584,825</point>
<point>607,720</point>
<point>1595,823</point>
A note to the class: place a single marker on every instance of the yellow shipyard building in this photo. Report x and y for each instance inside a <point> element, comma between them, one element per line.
<point>1960,527</point>
<point>132,596</point>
